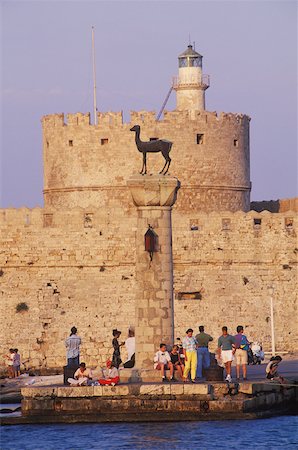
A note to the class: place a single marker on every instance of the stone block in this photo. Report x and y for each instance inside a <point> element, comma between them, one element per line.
<point>155,389</point>
<point>176,389</point>
<point>76,391</point>
<point>38,391</point>
<point>225,406</point>
<point>97,391</point>
<point>196,389</point>
<point>109,391</point>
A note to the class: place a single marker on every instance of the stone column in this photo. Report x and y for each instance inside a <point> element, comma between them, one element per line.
<point>154,197</point>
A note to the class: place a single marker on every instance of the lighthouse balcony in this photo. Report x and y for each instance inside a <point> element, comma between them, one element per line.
<point>191,82</point>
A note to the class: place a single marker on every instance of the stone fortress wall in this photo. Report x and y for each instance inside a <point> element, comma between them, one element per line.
<point>77,266</point>
<point>74,262</point>
<point>89,164</point>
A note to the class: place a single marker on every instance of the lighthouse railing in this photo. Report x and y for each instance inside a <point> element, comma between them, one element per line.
<point>191,80</point>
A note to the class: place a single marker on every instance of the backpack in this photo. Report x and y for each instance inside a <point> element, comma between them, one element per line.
<point>244,343</point>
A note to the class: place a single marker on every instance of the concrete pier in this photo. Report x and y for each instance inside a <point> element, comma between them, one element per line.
<point>137,402</point>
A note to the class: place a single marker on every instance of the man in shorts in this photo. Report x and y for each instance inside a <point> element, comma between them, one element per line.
<point>162,362</point>
<point>242,346</point>
<point>226,346</point>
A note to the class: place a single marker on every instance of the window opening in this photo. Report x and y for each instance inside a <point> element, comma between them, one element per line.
<point>200,139</point>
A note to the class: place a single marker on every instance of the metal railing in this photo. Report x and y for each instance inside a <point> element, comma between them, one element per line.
<point>191,81</point>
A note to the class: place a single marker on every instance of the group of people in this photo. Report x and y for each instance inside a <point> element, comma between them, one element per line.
<point>84,377</point>
<point>110,374</point>
<point>190,356</point>
<point>194,355</point>
<point>13,363</point>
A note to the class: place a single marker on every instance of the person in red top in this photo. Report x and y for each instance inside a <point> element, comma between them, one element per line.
<point>110,375</point>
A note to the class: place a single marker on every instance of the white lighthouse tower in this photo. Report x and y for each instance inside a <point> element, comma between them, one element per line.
<point>191,84</point>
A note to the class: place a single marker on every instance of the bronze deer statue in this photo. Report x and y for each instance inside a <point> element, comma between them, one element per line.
<point>159,145</point>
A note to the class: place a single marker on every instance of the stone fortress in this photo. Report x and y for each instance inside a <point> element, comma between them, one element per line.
<point>73,262</point>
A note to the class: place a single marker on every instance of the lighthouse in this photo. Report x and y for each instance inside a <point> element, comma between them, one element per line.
<point>191,84</point>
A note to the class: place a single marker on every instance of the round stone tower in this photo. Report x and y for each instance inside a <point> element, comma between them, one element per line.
<point>88,165</point>
<point>191,84</point>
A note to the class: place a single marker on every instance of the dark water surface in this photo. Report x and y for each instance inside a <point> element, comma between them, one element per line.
<point>278,432</point>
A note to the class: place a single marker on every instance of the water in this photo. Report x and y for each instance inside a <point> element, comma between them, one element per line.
<point>273,433</point>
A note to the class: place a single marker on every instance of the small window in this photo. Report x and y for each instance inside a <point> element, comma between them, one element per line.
<point>48,144</point>
<point>47,220</point>
<point>104,141</point>
<point>257,223</point>
<point>200,139</point>
<point>88,218</point>
<point>153,139</point>
<point>289,222</point>
<point>70,143</point>
<point>235,142</point>
<point>193,295</point>
<point>194,225</point>
<point>226,224</point>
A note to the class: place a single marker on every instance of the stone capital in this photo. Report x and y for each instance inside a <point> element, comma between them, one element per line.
<point>153,190</point>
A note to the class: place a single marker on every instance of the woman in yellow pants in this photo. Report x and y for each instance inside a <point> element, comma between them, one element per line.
<point>190,344</point>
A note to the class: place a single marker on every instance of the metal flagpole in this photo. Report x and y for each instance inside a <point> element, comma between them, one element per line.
<point>94,80</point>
<point>271,292</point>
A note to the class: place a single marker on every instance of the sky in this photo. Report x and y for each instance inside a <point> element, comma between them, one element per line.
<point>249,50</point>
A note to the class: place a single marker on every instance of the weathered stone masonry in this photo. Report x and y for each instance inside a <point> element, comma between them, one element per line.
<point>74,262</point>
<point>78,267</point>
<point>89,165</point>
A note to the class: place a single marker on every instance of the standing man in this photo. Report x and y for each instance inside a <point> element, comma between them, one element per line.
<point>226,345</point>
<point>189,344</point>
<point>72,344</point>
<point>203,340</point>
<point>242,346</point>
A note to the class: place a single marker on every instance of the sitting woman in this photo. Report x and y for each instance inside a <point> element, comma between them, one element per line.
<point>176,360</point>
<point>110,375</point>
<point>82,376</point>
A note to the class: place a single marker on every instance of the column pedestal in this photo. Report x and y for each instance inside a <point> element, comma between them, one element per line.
<point>154,197</point>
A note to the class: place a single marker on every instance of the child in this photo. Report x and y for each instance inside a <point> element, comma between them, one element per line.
<point>110,375</point>
<point>162,362</point>
<point>176,361</point>
<point>17,363</point>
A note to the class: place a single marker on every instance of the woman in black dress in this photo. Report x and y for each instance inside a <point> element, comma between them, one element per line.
<point>116,360</point>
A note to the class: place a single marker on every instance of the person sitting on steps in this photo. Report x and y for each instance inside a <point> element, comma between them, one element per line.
<point>82,376</point>
<point>110,375</point>
<point>176,360</point>
<point>162,362</point>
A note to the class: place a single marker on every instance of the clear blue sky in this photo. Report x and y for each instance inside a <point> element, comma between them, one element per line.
<point>249,49</point>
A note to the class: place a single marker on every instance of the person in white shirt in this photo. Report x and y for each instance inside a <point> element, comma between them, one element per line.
<point>81,377</point>
<point>72,344</point>
<point>162,362</point>
<point>10,359</point>
<point>130,345</point>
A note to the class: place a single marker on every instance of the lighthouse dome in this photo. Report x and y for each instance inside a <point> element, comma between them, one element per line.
<point>190,58</point>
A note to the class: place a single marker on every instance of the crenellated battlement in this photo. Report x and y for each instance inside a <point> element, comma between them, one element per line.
<point>112,119</point>
<point>115,119</point>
